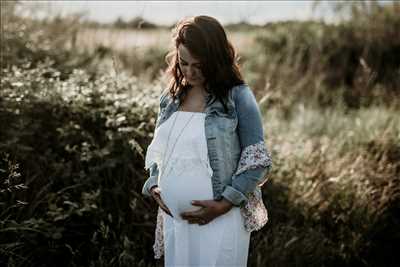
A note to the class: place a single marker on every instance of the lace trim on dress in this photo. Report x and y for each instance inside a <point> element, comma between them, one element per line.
<point>158,246</point>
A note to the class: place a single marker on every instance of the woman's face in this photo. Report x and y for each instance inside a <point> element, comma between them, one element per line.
<point>190,67</point>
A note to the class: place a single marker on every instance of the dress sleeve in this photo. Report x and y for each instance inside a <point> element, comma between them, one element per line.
<point>255,160</point>
<point>153,167</point>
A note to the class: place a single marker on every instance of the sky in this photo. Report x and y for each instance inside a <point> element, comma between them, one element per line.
<point>168,12</point>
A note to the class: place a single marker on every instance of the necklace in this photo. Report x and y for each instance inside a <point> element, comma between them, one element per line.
<point>164,163</point>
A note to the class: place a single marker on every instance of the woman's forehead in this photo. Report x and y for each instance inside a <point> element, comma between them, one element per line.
<point>185,54</point>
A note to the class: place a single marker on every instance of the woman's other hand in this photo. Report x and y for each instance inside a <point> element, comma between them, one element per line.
<point>209,211</point>
<point>155,193</point>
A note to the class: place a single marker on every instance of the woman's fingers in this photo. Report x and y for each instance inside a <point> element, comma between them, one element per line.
<point>156,189</point>
<point>160,202</point>
<point>167,209</point>
<point>194,219</point>
<point>156,194</point>
<point>199,222</point>
<point>163,207</point>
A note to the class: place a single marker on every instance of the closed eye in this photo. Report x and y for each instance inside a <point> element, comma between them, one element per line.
<point>184,63</point>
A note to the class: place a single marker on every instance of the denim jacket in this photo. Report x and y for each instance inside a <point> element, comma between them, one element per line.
<point>237,152</point>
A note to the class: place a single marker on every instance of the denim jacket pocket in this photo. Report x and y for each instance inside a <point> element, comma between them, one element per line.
<point>225,123</point>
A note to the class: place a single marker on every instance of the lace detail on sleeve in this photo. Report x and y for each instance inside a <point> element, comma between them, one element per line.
<point>254,156</point>
<point>255,213</point>
<point>158,246</point>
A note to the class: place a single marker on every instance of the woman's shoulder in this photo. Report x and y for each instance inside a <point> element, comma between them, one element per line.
<point>242,93</point>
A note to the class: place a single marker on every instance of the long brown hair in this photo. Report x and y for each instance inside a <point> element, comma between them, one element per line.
<point>206,40</point>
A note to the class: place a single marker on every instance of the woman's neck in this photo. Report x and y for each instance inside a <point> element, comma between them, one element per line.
<point>194,99</point>
<point>197,91</point>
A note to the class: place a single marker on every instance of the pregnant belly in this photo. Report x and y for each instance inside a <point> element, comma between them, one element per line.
<point>177,191</point>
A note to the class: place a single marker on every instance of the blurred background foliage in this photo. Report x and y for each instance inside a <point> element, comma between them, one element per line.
<point>78,103</point>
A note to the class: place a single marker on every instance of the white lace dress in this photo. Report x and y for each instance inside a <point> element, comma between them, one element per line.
<point>223,241</point>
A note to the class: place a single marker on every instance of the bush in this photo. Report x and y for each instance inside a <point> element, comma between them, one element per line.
<point>79,145</point>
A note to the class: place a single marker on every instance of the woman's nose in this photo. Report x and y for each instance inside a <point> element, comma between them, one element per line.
<point>191,71</point>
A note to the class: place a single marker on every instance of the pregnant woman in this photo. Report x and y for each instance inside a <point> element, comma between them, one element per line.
<point>208,159</point>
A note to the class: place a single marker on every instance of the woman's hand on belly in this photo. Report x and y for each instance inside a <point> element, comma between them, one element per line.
<point>210,209</point>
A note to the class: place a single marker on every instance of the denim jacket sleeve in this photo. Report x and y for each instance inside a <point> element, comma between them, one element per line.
<point>153,169</point>
<point>255,161</point>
